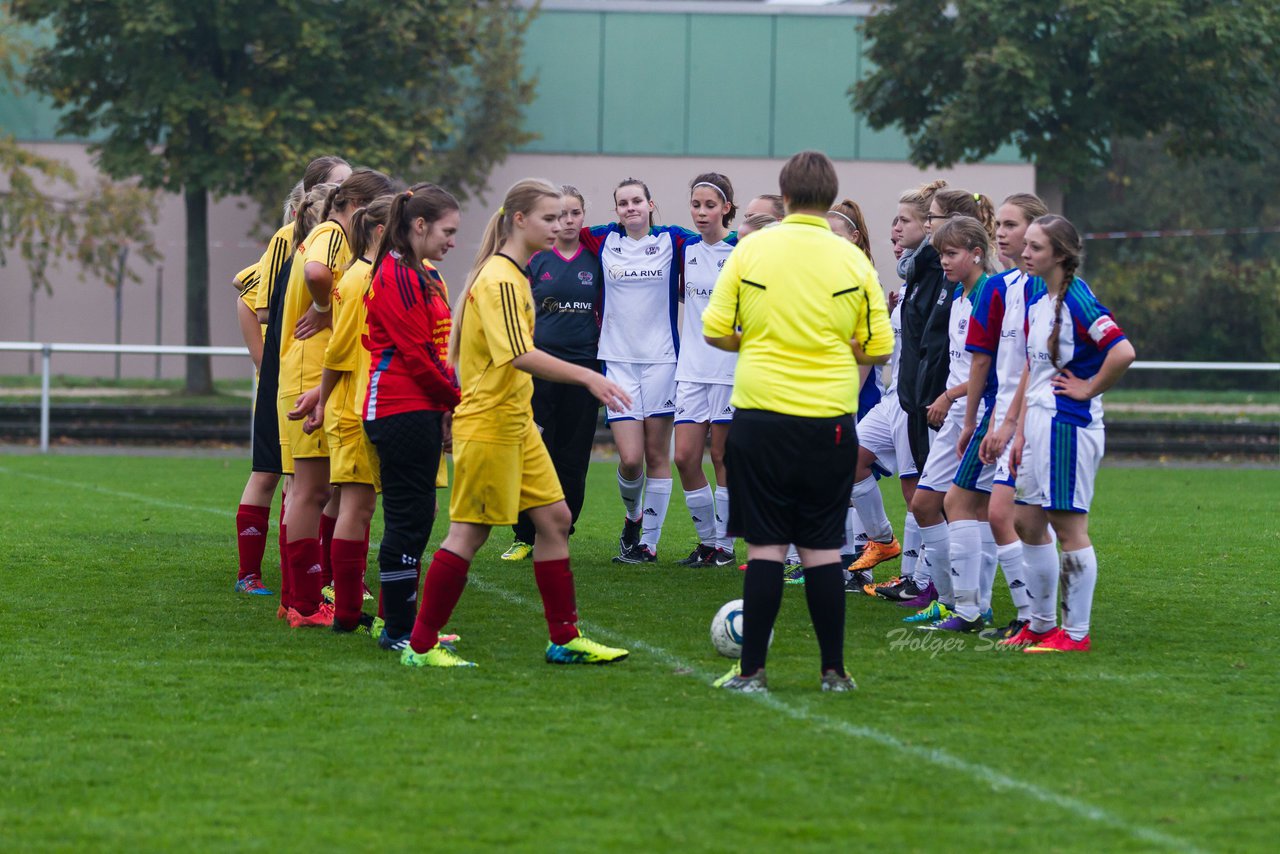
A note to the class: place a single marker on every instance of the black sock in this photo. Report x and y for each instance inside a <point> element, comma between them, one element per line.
<point>400,603</point>
<point>761,599</point>
<point>824,591</point>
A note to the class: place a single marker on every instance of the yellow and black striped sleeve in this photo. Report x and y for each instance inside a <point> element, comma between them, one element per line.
<point>271,263</point>
<point>506,317</point>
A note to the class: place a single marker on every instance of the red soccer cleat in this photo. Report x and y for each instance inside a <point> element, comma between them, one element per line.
<point>1060,642</point>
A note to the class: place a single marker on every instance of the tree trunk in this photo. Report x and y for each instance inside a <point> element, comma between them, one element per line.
<point>199,370</point>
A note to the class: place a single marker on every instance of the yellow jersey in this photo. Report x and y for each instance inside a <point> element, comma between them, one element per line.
<point>497,326</point>
<point>248,279</point>
<point>270,264</point>
<point>301,361</point>
<point>800,294</point>
<point>346,353</point>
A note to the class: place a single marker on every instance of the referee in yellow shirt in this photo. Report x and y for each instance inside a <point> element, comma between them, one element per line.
<point>803,308</point>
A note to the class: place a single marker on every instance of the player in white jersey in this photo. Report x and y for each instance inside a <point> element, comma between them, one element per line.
<point>952,476</point>
<point>639,345</point>
<point>1075,352</point>
<point>704,374</point>
<point>1015,215</point>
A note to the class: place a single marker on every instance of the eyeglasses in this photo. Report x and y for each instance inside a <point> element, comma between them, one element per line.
<point>931,217</point>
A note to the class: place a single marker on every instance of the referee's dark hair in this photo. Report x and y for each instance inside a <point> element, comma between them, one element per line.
<point>808,180</point>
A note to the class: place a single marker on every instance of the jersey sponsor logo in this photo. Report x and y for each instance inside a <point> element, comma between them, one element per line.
<point>586,277</point>
<point>1008,333</point>
<point>551,305</point>
<point>691,291</point>
<point>624,273</point>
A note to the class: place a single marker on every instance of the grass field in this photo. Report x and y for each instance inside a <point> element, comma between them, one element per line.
<point>144,706</point>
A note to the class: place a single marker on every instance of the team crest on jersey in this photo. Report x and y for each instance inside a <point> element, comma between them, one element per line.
<point>586,277</point>
<point>651,250</point>
<point>720,264</point>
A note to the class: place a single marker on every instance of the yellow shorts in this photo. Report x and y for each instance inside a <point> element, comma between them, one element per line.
<point>352,458</point>
<point>286,459</point>
<point>442,474</point>
<point>492,483</point>
<point>295,443</point>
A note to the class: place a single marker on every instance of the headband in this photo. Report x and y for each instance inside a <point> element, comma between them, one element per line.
<point>712,186</point>
<point>846,219</point>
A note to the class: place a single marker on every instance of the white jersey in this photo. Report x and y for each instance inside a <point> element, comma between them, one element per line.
<point>699,361</point>
<point>1011,355</point>
<point>641,292</point>
<point>957,335</point>
<point>895,321</point>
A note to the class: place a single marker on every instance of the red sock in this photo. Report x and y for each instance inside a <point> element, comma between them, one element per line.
<point>555,583</point>
<point>286,581</point>
<point>327,524</point>
<point>348,581</point>
<point>446,578</point>
<point>304,567</point>
<point>252,523</point>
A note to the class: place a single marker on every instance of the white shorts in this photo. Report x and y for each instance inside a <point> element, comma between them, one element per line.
<point>699,403</point>
<point>1059,463</point>
<point>1005,475</point>
<point>652,388</point>
<point>883,432</point>
<point>943,467</point>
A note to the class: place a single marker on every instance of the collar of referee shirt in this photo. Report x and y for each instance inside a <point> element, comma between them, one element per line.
<point>808,217</point>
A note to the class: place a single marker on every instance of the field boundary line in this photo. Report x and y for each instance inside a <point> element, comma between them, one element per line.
<point>997,780</point>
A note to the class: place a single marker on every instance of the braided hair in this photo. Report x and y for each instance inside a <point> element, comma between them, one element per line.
<point>1067,245</point>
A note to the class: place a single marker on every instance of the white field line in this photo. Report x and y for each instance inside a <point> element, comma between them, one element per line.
<point>983,774</point>
<point>997,780</point>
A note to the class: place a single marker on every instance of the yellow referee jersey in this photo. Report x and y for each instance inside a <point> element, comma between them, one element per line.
<point>301,361</point>
<point>800,294</point>
<point>497,326</point>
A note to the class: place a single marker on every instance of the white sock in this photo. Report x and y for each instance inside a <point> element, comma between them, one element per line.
<point>965,553</point>
<point>631,491</point>
<point>910,547</point>
<point>869,503</point>
<point>793,555</point>
<point>1042,585</point>
<point>702,508</point>
<point>723,540</point>
<point>1079,577</point>
<point>657,495</point>
<point>936,540</point>
<point>1015,573</point>
<point>987,571</point>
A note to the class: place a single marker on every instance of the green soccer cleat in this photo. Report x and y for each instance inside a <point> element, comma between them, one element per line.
<point>582,650</point>
<point>756,683</point>
<point>438,656</point>
<point>933,613</point>
<point>327,594</point>
<point>519,551</point>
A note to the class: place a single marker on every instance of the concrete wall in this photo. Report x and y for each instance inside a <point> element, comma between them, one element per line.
<point>84,311</point>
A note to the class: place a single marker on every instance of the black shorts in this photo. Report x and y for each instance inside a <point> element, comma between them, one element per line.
<point>266,429</point>
<point>790,478</point>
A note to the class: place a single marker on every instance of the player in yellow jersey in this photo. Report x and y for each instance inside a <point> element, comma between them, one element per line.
<point>306,326</point>
<point>338,408</point>
<point>257,285</point>
<point>501,466</point>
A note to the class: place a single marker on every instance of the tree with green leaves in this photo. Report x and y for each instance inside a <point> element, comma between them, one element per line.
<point>48,216</point>
<point>1061,79</point>
<point>234,97</point>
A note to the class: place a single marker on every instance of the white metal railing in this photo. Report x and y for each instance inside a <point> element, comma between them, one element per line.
<point>46,352</point>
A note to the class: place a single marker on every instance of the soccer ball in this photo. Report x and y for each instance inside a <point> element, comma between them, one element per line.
<point>726,630</point>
